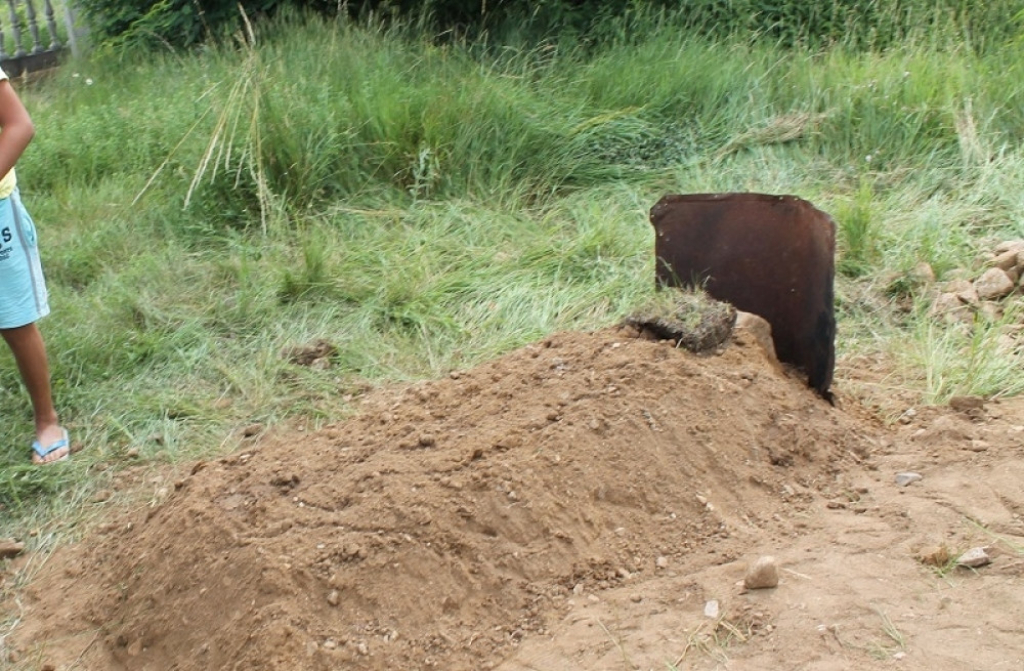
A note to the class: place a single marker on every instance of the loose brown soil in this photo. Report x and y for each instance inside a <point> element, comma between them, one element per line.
<point>575,504</point>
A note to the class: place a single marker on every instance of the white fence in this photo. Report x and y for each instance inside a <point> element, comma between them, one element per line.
<point>33,35</point>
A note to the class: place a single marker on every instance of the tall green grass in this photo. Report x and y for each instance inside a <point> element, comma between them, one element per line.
<point>426,206</point>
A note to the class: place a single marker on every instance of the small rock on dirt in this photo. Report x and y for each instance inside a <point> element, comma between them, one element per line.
<point>1008,245</point>
<point>762,574</point>
<point>923,273</point>
<point>933,555</point>
<point>10,548</point>
<point>974,558</point>
<point>949,307</point>
<point>711,609</point>
<point>993,284</point>
<point>316,354</point>
<point>1006,260</point>
<point>966,403</point>
<point>760,331</point>
<point>905,479</point>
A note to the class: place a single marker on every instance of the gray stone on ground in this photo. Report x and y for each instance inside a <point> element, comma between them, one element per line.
<point>974,558</point>
<point>904,479</point>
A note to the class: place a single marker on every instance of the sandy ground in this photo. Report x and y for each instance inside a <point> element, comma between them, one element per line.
<point>590,502</point>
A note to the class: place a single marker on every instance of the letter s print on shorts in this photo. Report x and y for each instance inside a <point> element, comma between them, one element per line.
<point>23,296</point>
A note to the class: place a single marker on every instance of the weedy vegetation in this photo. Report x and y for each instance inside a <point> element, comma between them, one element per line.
<point>425,202</point>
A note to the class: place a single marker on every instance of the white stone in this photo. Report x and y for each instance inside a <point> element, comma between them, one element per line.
<point>904,479</point>
<point>974,558</point>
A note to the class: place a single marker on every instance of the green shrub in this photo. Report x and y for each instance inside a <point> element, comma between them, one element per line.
<point>179,23</point>
<point>859,23</point>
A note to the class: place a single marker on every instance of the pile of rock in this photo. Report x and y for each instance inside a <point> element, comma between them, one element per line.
<point>960,299</point>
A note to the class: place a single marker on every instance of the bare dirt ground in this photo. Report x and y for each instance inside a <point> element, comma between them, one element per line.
<point>589,502</point>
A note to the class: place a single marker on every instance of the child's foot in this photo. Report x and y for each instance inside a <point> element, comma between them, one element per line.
<point>57,446</point>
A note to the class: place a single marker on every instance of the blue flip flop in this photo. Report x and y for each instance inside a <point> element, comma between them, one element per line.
<point>60,444</point>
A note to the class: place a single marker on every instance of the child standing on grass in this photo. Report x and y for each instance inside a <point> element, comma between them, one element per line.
<point>23,299</point>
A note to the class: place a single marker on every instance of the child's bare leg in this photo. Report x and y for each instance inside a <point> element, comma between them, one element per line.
<point>26,343</point>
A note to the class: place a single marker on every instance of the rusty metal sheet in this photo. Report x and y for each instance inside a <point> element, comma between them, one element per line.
<point>772,255</point>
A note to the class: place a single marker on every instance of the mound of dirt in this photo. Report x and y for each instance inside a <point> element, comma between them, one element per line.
<point>452,520</point>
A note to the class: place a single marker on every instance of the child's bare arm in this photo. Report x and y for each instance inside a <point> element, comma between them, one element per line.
<point>16,129</point>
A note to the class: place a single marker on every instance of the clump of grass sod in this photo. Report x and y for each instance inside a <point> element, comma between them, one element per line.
<point>423,205</point>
